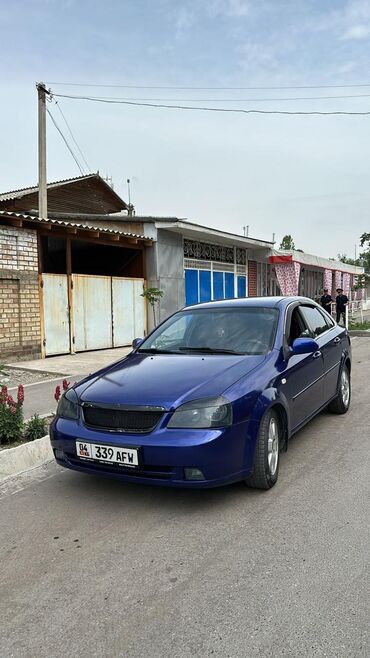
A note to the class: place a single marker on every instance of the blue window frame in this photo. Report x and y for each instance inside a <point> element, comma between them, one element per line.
<point>205,286</point>
<point>242,286</point>
<point>218,285</point>
<point>191,287</point>
<point>229,285</point>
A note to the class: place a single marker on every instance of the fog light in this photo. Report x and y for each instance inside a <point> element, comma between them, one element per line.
<point>59,454</point>
<point>193,474</point>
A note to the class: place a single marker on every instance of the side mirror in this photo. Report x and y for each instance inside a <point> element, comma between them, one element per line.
<point>303,346</point>
<point>136,343</point>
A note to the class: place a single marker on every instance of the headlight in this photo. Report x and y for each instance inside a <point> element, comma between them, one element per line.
<point>208,412</point>
<point>68,405</point>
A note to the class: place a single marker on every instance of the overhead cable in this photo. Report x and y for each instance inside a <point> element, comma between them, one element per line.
<point>214,109</point>
<point>66,142</point>
<point>230,100</point>
<point>130,86</point>
<point>72,135</point>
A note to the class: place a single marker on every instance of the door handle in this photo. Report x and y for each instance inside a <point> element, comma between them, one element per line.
<point>317,354</point>
<point>336,340</point>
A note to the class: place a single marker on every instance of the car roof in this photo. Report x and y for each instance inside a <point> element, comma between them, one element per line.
<point>250,302</point>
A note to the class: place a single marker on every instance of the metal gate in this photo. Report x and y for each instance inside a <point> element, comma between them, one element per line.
<point>128,310</point>
<point>92,312</point>
<point>56,314</point>
<point>105,312</point>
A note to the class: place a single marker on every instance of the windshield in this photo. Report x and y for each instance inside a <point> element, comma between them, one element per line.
<point>217,331</point>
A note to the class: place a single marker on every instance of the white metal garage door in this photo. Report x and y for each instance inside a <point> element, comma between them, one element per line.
<point>92,312</point>
<point>128,310</point>
<point>56,313</point>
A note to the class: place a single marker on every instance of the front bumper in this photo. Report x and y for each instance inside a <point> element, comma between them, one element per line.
<point>223,455</point>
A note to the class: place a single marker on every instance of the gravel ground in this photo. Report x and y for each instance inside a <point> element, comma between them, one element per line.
<point>15,377</point>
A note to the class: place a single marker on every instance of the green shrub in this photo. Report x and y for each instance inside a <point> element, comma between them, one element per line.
<point>35,428</point>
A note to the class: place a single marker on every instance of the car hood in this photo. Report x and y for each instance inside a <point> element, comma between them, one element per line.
<point>166,380</point>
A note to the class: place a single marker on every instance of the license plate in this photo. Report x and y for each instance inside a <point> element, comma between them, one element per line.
<point>127,457</point>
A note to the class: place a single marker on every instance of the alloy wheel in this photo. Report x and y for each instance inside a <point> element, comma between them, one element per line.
<point>273,446</point>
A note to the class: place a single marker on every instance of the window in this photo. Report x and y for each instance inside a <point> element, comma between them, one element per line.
<point>298,328</point>
<point>239,330</point>
<point>314,319</point>
<point>329,320</point>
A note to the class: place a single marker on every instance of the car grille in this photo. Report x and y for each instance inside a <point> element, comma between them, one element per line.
<point>138,420</point>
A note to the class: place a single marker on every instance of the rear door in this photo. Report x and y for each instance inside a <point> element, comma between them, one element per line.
<point>304,374</point>
<point>330,339</point>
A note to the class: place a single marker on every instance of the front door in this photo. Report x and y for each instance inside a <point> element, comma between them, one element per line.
<point>304,375</point>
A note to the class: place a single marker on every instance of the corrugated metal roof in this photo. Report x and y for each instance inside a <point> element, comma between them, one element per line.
<point>59,222</point>
<point>17,194</point>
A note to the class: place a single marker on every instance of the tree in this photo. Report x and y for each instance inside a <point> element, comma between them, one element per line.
<point>287,243</point>
<point>152,295</point>
<point>343,258</point>
<point>365,255</point>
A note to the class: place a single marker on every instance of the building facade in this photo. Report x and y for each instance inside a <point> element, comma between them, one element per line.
<point>74,281</point>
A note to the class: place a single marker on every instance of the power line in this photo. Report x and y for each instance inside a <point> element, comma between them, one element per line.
<point>66,142</point>
<point>230,100</point>
<point>72,135</point>
<point>114,86</point>
<point>211,109</point>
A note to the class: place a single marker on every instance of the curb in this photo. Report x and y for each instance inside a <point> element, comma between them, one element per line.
<point>57,375</point>
<point>363,333</point>
<point>14,461</point>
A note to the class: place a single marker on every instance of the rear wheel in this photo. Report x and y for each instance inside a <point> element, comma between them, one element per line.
<point>340,404</point>
<point>266,458</point>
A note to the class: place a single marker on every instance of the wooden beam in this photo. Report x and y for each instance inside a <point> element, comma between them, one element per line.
<point>89,234</point>
<point>15,221</point>
<point>148,244</point>
<point>129,240</point>
<point>71,229</point>
<point>70,294</point>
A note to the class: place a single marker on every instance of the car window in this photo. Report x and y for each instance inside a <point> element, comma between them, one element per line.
<point>298,327</point>
<point>329,321</point>
<point>243,330</point>
<point>314,319</point>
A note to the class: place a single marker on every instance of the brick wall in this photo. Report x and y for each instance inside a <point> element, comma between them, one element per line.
<point>20,335</point>
<point>252,278</point>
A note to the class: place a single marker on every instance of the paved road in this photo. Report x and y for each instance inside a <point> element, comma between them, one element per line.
<point>39,397</point>
<point>96,568</point>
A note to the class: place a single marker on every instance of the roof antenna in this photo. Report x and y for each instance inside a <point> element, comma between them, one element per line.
<point>130,207</point>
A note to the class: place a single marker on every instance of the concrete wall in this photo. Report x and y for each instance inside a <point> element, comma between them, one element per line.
<point>165,270</point>
<point>20,333</point>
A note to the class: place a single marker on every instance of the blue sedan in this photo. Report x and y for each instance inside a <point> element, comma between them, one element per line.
<point>211,396</point>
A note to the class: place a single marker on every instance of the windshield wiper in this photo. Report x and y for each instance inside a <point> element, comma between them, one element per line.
<point>209,350</point>
<point>155,350</point>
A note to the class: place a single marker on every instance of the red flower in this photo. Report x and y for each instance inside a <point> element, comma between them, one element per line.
<point>20,396</point>
<point>65,384</point>
<point>57,393</point>
<point>3,394</point>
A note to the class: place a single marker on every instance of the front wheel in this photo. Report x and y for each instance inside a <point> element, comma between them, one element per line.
<point>266,458</point>
<point>340,404</point>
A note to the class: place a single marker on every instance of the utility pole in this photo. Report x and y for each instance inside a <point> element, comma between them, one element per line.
<point>43,205</point>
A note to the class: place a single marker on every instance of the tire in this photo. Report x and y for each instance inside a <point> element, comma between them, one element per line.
<point>340,404</point>
<point>266,457</point>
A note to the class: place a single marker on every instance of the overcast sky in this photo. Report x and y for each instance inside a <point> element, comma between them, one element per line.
<point>304,175</point>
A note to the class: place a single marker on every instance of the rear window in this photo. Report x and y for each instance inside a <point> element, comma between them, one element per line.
<point>314,320</point>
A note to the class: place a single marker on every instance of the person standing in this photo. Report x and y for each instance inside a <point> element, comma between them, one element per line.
<point>326,301</point>
<point>341,302</point>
